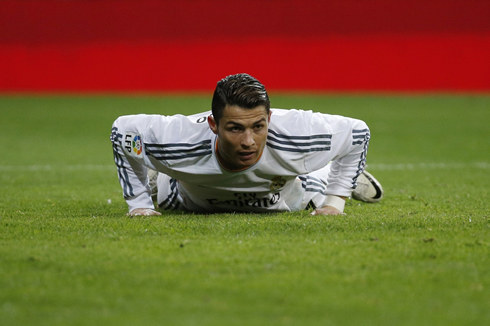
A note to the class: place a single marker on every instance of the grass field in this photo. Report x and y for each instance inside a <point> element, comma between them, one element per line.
<point>70,256</point>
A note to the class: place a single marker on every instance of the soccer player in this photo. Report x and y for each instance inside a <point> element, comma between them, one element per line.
<point>242,156</point>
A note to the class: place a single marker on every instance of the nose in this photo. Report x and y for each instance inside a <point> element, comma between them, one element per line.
<point>248,138</point>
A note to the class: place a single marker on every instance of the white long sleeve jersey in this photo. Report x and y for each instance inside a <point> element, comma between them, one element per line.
<point>184,148</point>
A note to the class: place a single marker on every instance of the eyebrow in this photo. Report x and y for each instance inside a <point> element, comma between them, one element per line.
<point>239,124</point>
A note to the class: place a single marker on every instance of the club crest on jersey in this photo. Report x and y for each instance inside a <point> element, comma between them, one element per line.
<point>277,183</point>
<point>133,144</point>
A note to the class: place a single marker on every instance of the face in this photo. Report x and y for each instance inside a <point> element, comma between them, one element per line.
<point>242,134</point>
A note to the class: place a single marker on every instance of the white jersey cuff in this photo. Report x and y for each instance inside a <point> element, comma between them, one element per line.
<point>141,201</point>
<point>335,201</point>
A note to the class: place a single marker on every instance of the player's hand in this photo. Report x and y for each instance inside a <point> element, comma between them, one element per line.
<point>143,212</point>
<point>327,210</point>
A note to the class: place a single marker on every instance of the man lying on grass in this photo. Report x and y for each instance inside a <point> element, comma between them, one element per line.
<point>242,156</point>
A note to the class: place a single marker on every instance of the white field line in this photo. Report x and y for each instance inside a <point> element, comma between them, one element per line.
<point>374,166</point>
<point>429,166</point>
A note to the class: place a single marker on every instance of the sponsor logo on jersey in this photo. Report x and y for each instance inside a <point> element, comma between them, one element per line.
<point>133,144</point>
<point>202,119</point>
<point>248,199</point>
<point>277,183</point>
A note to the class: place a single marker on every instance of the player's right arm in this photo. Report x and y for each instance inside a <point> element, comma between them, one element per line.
<point>128,136</point>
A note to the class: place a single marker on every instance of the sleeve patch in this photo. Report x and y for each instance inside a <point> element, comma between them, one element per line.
<point>133,144</point>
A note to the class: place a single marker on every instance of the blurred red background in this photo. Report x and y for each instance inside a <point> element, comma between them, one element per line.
<point>187,45</point>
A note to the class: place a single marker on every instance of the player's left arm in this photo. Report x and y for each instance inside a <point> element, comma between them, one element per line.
<point>349,145</point>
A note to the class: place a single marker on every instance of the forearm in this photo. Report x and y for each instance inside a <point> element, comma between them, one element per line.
<point>345,170</point>
<point>141,201</point>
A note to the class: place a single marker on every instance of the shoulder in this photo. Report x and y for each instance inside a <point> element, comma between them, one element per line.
<point>290,121</point>
<point>179,128</point>
<point>300,122</point>
<point>162,129</point>
<point>295,122</point>
<point>179,140</point>
<point>179,119</point>
<point>293,133</point>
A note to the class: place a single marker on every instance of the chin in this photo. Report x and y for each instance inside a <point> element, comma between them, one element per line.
<point>247,164</point>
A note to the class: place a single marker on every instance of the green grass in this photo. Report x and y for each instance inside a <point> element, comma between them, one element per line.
<point>70,256</point>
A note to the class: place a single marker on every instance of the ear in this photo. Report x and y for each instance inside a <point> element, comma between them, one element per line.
<point>212,124</point>
<point>269,119</point>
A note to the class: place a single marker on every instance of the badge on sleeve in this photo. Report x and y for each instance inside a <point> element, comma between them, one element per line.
<point>133,144</point>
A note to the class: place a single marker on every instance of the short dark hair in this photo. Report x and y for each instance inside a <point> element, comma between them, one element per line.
<point>241,90</point>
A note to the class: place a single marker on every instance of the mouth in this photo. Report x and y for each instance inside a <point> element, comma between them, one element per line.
<point>246,155</point>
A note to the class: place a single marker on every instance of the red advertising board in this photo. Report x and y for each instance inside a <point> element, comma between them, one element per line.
<point>334,45</point>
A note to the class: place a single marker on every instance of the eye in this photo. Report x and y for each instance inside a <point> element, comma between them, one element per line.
<point>234,129</point>
<point>258,127</point>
